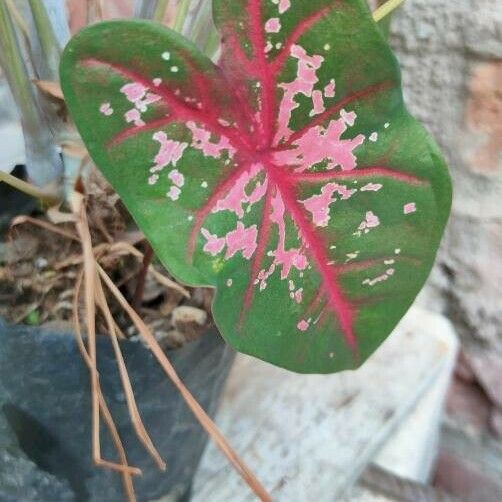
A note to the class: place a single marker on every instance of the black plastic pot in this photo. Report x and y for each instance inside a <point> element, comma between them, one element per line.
<point>13,202</point>
<point>45,449</point>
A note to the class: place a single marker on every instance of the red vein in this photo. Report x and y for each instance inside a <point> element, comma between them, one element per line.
<point>315,302</point>
<point>182,110</point>
<point>363,93</point>
<point>296,34</point>
<point>236,51</point>
<point>261,248</point>
<point>364,264</point>
<point>340,305</point>
<point>367,172</point>
<point>133,131</point>
<point>257,37</point>
<point>219,192</point>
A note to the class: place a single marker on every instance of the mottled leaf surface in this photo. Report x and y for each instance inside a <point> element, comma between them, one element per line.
<point>290,177</point>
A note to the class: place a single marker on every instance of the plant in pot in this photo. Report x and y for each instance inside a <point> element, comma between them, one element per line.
<point>289,177</point>
<point>40,267</point>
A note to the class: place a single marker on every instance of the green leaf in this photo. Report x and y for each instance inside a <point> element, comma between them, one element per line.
<point>33,318</point>
<point>290,177</point>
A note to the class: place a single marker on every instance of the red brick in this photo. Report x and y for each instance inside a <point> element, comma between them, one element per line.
<point>465,480</point>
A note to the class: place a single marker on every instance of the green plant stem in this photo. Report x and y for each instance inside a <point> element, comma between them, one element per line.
<point>42,160</point>
<point>200,27</point>
<point>181,15</point>
<point>212,45</point>
<point>386,9</point>
<point>12,63</point>
<point>45,198</point>
<point>160,10</point>
<point>48,41</point>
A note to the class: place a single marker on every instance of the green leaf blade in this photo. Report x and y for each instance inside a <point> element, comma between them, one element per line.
<point>291,178</point>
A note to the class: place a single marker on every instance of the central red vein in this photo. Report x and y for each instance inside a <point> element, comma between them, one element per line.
<point>257,37</point>
<point>316,248</point>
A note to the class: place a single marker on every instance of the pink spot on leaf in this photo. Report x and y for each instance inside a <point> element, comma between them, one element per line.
<point>133,91</point>
<point>329,90</point>
<point>298,295</point>
<point>371,221</point>
<point>106,109</point>
<point>381,278</point>
<point>241,239</point>
<point>319,144</point>
<point>174,193</point>
<point>284,5</point>
<point>318,205</point>
<point>170,151</point>
<point>409,208</point>
<point>134,116</point>
<point>142,105</point>
<point>287,259</point>
<point>237,195</point>
<point>201,140</point>
<point>138,95</point>
<point>303,84</point>
<point>177,178</point>
<point>318,101</point>
<point>273,25</point>
<point>371,187</point>
<point>303,325</point>
<point>348,117</point>
<point>214,244</point>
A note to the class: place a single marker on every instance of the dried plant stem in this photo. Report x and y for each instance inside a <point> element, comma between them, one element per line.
<point>124,470</point>
<point>21,220</point>
<point>192,403</point>
<point>386,9</point>
<point>126,383</point>
<point>140,286</point>
<point>162,279</point>
<point>94,294</point>
<point>82,227</point>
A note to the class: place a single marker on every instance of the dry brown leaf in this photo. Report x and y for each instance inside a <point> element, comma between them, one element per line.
<point>125,470</point>
<point>56,216</point>
<point>49,88</point>
<point>74,149</point>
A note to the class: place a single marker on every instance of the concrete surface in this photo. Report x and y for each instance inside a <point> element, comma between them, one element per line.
<point>310,437</point>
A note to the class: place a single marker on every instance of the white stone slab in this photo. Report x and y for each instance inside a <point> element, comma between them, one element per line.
<point>412,449</point>
<point>309,437</point>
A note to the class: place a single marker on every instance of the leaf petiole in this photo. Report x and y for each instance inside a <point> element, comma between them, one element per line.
<point>45,197</point>
<point>181,14</point>
<point>160,11</point>
<point>385,9</point>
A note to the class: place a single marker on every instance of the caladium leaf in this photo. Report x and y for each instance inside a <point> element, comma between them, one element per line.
<point>290,177</point>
